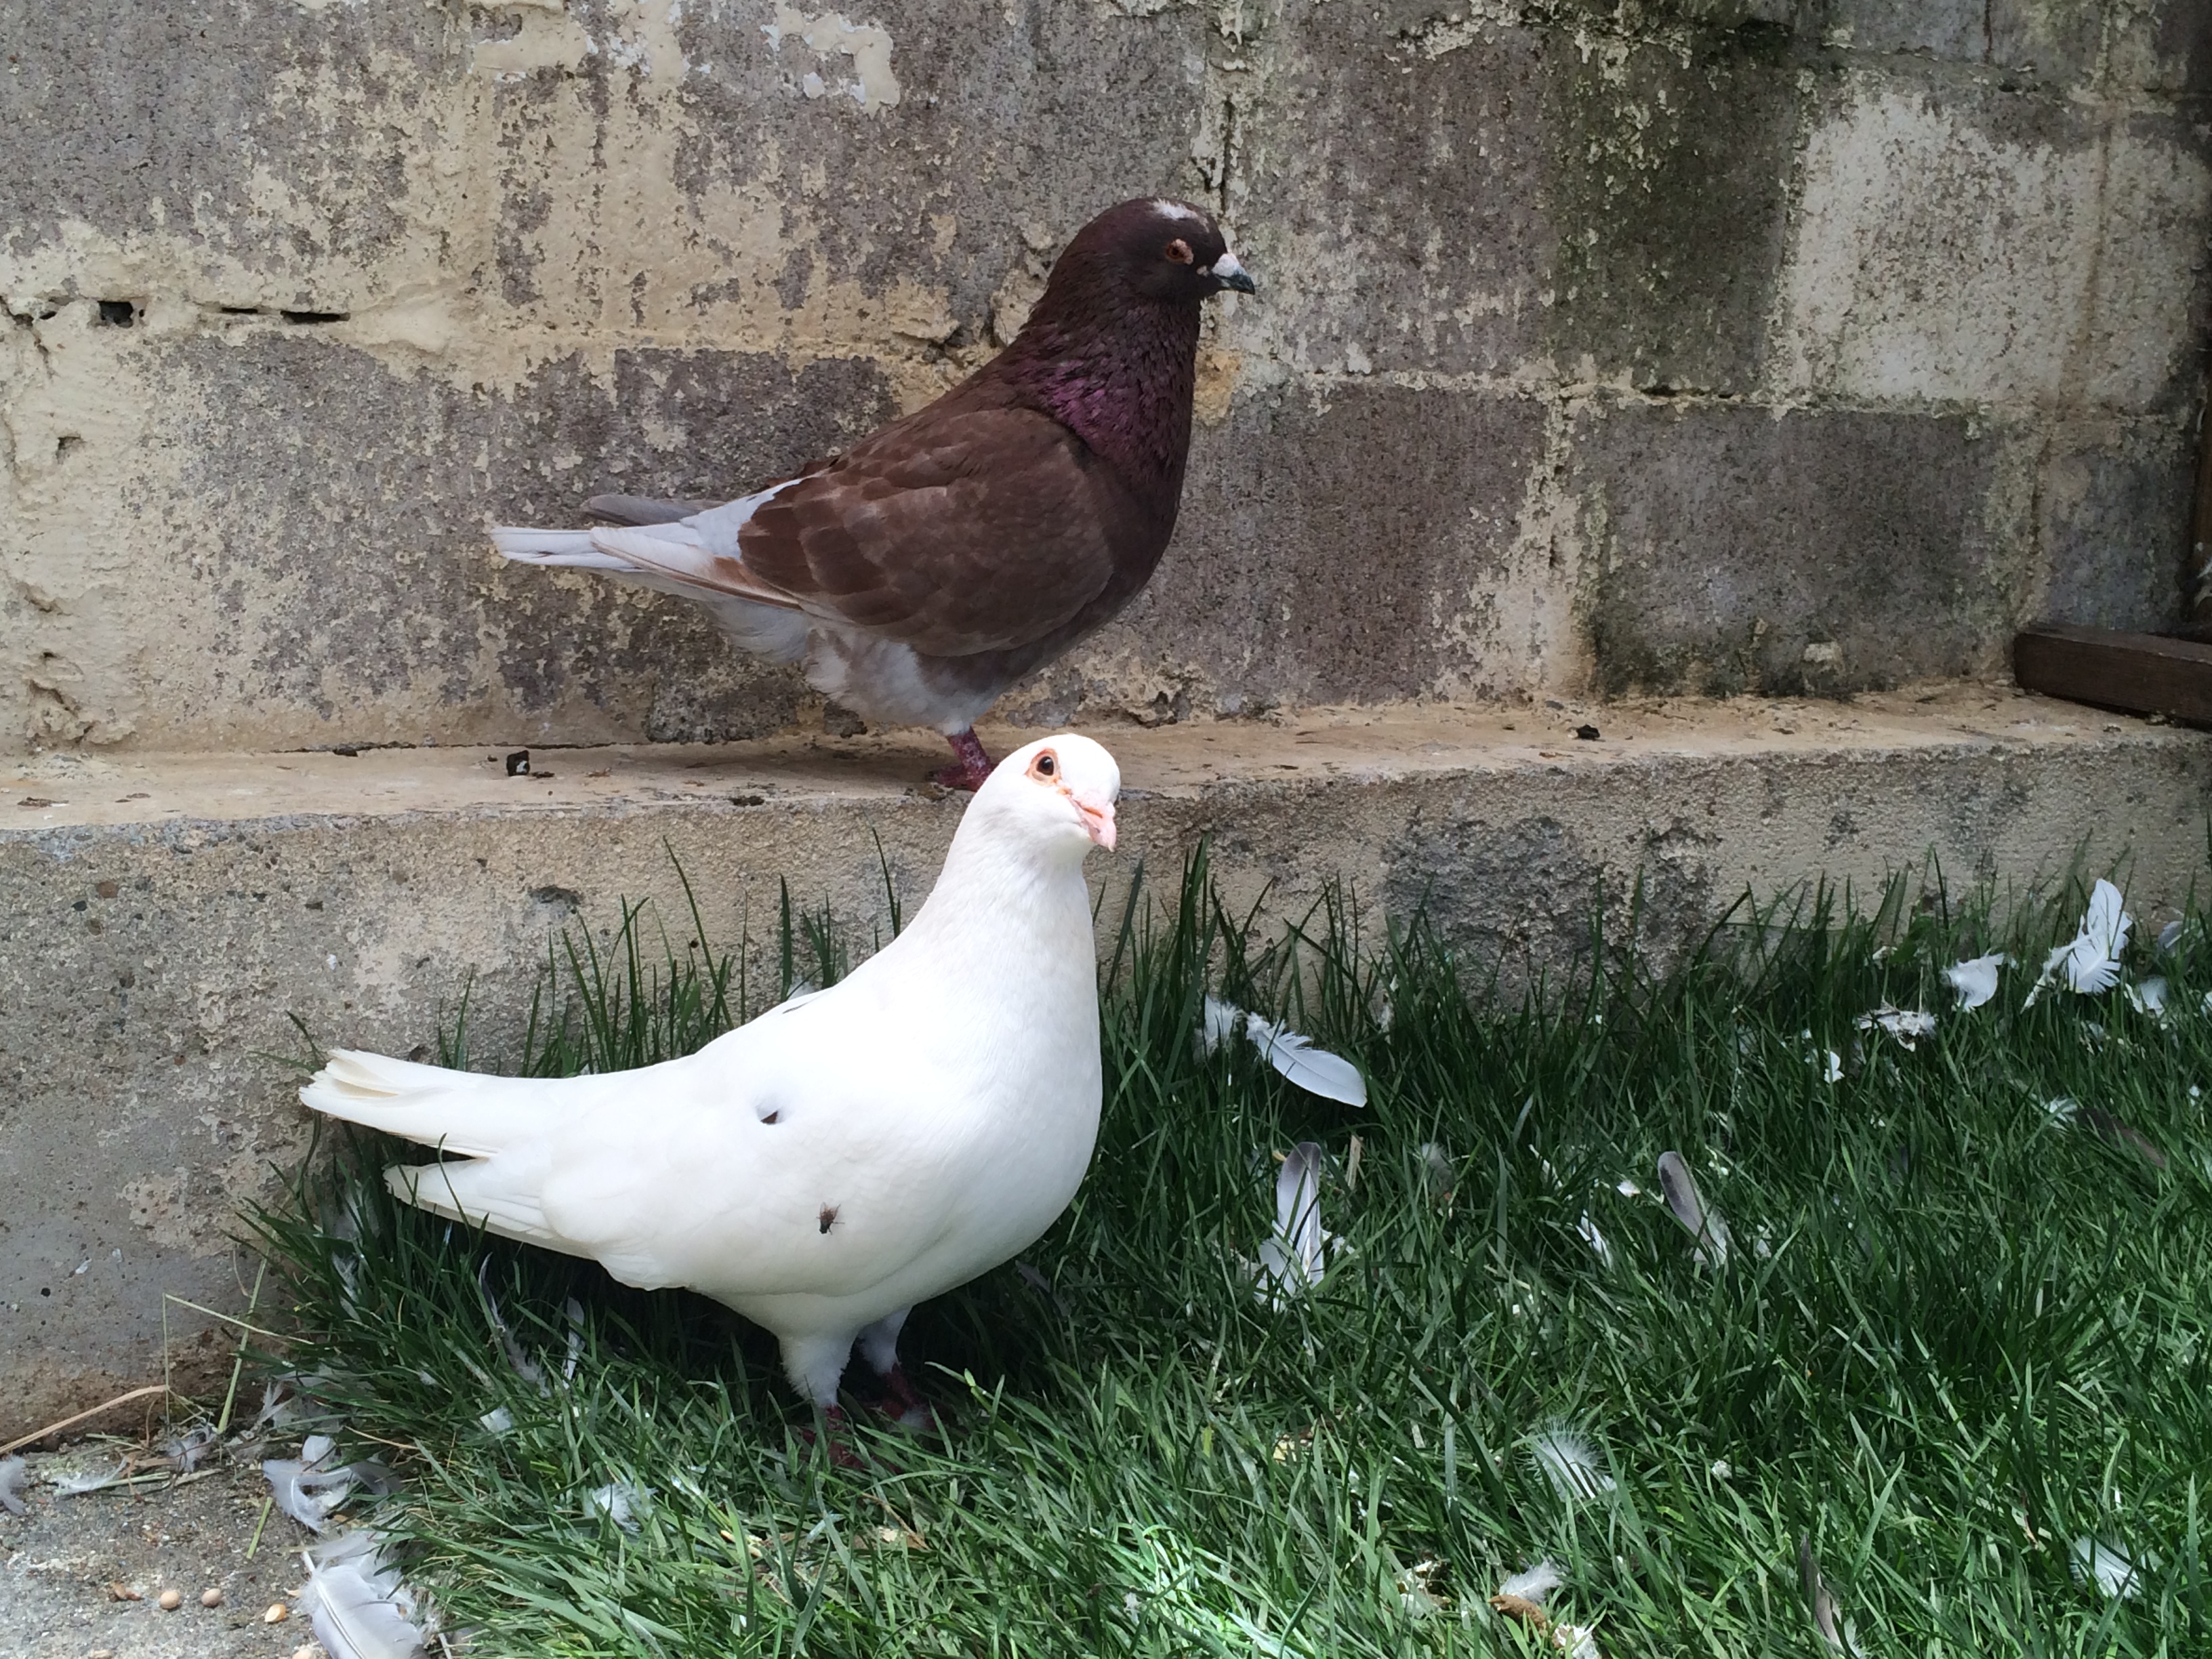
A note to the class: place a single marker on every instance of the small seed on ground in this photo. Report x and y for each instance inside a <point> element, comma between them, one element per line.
<point>172,1599</point>
<point>210,1598</point>
<point>278,1614</point>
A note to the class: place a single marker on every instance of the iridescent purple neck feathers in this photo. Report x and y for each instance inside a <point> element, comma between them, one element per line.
<point>1121,379</point>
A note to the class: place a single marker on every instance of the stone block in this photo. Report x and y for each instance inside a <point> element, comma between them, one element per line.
<point>1734,549</point>
<point>289,546</point>
<point>1389,187</point>
<point>1357,546</point>
<point>1958,243</point>
<point>1668,169</point>
<point>2054,41</point>
<point>2115,500</point>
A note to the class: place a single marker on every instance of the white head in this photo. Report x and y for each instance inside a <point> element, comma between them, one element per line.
<point>1058,792</point>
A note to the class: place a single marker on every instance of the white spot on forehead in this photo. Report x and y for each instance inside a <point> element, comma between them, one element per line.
<point>1167,210</point>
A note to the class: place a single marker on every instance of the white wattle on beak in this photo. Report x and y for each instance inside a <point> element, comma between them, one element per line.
<point>1097,818</point>
<point>1229,274</point>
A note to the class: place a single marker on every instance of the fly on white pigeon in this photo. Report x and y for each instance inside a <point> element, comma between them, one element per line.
<point>1292,1052</point>
<point>2089,963</point>
<point>832,1163</point>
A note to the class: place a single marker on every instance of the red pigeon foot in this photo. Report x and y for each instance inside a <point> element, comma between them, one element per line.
<point>970,765</point>
<point>918,575</point>
<point>903,1402</point>
<point>841,1453</point>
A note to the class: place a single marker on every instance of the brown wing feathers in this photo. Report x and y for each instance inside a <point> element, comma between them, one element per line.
<point>975,531</point>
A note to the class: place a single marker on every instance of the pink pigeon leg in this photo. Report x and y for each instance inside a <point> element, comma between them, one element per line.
<point>833,1438</point>
<point>902,1400</point>
<point>970,765</point>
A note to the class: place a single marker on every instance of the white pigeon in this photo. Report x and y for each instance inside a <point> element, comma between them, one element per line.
<point>848,1153</point>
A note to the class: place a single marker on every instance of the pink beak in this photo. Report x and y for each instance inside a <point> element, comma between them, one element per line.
<point>1097,818</point>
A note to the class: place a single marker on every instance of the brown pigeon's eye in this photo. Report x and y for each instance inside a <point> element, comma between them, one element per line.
<point>1045,766</point>
<point>1179,251</point>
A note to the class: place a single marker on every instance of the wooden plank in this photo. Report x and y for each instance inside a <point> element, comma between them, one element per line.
<point>2142,673</point>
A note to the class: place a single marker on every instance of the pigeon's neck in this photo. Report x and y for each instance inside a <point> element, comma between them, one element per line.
<point>1122,385</point>
<point>1014,918</point>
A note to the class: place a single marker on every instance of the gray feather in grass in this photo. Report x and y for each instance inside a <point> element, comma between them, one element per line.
<point>1292,1052</point>
<point>1680,1188</point>
<point>13,1470</point>
<point>1816,1594</point>
<point>308,1488</point>
<point>522,1364</point>
<point>77,1482</point>
<point>1295,1255</point>
<point>572,1311</point>
<point>359,1607</point>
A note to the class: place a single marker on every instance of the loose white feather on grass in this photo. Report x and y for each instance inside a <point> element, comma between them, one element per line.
<point>1533,1584</point>
<point>355,1599</point>
<point>621,1501</point>
<point>1703,1223</point>
<point>1569,1463</point>
<point>2088,964</point>
<point>2097,1562</point>
<point>2149,996</point>
<point>1907,1025</point>
<point>1292,1052</point>
<point>1591,1236</point>
<point>1974,981</point>
<point>12,1472</point>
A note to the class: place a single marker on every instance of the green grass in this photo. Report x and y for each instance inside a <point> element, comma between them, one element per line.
<point>1956,1335</point>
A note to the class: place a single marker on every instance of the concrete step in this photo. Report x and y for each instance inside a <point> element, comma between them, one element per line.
<point>161,917</point>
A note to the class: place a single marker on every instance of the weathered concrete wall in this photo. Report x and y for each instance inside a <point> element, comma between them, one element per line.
<point>1689,344</point>
<point>160,918</point>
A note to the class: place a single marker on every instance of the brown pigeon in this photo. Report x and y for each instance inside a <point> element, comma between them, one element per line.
<point>924,570</point>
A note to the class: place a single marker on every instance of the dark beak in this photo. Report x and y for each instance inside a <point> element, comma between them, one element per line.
<point>1226,271</point>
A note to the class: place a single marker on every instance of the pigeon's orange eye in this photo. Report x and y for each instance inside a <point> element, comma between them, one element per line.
<point>1046,765</point>
<point>1179,251</point>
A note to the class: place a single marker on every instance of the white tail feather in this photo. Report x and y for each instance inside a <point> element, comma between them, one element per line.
<point>490,1195</point>
<point>462,1112</point>
<point>570,548</point>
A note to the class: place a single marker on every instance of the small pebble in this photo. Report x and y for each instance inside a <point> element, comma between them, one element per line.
<point>308,1652</point>
<point>101,1653</point>
<point>210,1598</point>
<point>172,1599</point>
<point>278,1614</point>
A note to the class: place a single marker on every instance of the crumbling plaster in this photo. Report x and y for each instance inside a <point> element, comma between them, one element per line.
<point>302,296</point>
